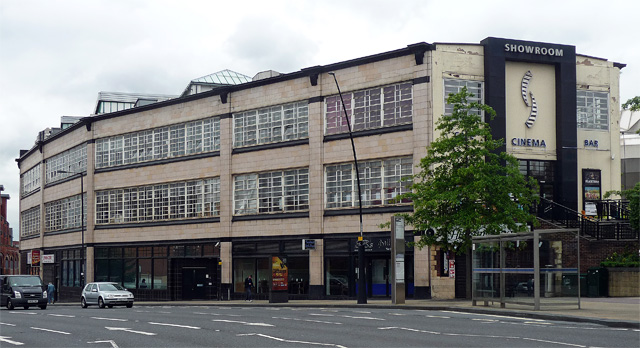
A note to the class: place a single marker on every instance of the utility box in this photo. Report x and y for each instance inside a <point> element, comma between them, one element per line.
<point>598,282</point>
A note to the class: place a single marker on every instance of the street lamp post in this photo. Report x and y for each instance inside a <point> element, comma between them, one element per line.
<point>82,250</point>
<point>362,283</point>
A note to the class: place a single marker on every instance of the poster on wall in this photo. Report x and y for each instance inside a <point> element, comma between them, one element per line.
<point>591,184</point>
<point>279,274</point>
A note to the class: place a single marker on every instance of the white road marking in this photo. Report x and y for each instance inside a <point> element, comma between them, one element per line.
<point>495,316</point>
<point>54,331</point>
<point>129,330</point>
<point>7,340</point>
<point>309,320</point>
<point>176,325</point>
<point>437,316</point>
<point>112,319</point>
<point>241,322</point>
<point>113,344</point>
<point>293,341</point>
<point>475,335</point>
<point>7,324</point>
<point>23,312</point>
<point>398,314</point>
<point>62,315</point>
<point>218,314</point>
<point>322,315</point>
<point>364,318</point>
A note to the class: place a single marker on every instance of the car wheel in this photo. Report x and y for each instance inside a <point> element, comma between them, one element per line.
<point>10,305</point>
<point>100,302</point>
<point>43,307</point>
<point>83,303</point>
<point>110,306</point>
<point>129,305</point>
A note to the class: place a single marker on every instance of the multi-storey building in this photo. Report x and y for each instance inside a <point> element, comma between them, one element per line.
<point>9,253</point>
<point>194,193</point>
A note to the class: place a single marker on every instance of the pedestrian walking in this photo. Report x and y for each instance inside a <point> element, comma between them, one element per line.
<point>248,284</point>
<point>51,289</point>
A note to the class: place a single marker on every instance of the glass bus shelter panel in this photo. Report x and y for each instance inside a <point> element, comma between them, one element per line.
<point>486,255</point>
<point>487,286</point>
<point>518,269</point>
<point>559,271</point>
<point>486,265</point>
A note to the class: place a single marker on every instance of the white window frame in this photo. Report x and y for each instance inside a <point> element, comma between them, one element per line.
<point>455,85</point>
<point>592,110</point>
<point>66,213</point>
<point>271,124</point>
<point>30,222</point>
<point>159,202</point>
<point>71,162</point>
<point>380,180</point>
<point>30,180</point>
<point>372,108</point>
<point>271,192</point>
<point>159,143</point>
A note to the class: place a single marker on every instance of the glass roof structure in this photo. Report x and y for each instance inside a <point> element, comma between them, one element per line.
<point>224,77</point>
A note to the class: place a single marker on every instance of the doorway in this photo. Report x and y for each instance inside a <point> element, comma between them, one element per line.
<point>378,277</point>
<point>193,283</point>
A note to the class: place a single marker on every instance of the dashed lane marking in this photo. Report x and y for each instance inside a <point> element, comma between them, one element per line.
<point>293,341</point>
<point>54,331</point>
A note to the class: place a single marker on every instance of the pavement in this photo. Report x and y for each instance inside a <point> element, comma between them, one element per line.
<point>621,312</point>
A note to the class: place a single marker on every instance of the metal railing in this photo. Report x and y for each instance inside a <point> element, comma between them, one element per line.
<point>607,229</point>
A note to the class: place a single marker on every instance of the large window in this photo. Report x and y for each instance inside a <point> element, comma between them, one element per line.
<point>372,108</point>
<point>381,182</point>
<point>272,192</point>
<point>71,268</point>
<point>65,213</point>
<point>30,222</point>
<point>455,86</point>
<point>179,200</point>
<point>159,143</point>
<point>66,164</point>
<point>30,180</point>
<point>593,110</point>
<point>270,125</point>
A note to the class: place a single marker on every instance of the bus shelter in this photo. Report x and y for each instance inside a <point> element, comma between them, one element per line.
<point>536,269</point>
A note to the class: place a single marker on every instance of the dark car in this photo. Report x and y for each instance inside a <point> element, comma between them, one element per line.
<point>22,291</point>
<point>106,294</point>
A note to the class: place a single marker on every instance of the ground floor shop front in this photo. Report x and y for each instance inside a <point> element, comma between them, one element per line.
<point>216,269</point>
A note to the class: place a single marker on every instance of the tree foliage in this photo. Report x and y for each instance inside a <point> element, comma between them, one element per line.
<point>632,104</point>
<point>466,187</point>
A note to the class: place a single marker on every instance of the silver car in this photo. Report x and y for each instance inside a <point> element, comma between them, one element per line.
<point>106,294</point>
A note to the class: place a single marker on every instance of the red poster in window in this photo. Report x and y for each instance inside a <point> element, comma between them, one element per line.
<point>279,274</point>
<point>35,258</point>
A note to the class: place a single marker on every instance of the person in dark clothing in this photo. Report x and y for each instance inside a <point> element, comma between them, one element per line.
<point>248,284</point>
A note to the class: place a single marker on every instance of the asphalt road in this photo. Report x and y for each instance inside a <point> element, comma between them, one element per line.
<point>247,326</point>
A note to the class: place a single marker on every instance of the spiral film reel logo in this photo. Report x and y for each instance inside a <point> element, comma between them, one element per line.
<point>533,114</point>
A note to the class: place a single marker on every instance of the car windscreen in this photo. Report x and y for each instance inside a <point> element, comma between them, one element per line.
<point>110,287</point>
<point>25,281</point>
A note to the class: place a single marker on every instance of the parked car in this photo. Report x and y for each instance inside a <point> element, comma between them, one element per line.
<point>106,294</point>
<point>22,291</point>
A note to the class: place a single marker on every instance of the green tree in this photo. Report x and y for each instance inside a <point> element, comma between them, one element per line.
<point>632,104</point>
<point>465,186</point>
<point>633,195</point>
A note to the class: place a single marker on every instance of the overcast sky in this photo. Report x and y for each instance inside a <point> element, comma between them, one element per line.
<point>55,56</point>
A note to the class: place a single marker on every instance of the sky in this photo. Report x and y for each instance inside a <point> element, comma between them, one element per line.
<point>55,56</point>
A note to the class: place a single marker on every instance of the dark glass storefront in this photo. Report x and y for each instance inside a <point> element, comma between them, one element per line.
<point>255,259</point>
<point>341,267</point>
